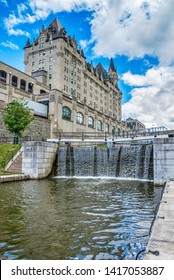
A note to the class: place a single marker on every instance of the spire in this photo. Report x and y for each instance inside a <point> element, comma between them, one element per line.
<point>112,67</point>
<point>27,44</point>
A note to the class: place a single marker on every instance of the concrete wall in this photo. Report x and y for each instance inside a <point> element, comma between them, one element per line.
<point>38,158</point>
<point>163,159</point>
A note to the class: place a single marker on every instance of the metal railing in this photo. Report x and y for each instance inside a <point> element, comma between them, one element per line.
<point>90,136</point>
<point>106,136</point>
<point>20,140</point>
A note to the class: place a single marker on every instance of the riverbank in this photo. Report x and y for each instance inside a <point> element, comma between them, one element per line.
<point>13,177</point>
<point>161,242</point>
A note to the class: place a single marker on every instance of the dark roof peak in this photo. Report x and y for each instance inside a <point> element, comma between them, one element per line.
<point>27,43</point>
<point>112,67</point>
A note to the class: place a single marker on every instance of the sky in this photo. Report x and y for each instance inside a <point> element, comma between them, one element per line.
<point>137,34</point>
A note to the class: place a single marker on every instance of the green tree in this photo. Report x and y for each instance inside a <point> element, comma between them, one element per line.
<point>17,117</point>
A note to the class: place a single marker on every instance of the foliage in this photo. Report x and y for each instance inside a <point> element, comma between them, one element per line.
<point>102,145</point>
<point>17,117</point>
<point>7,151</point>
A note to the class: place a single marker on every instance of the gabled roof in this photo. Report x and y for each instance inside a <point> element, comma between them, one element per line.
<point>101,71</point>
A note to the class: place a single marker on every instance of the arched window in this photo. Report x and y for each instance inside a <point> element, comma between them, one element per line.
<point>14,81</point>
<point>30,87</point>
<point>91,122</point>
<point>3,76</point>
<point>107,127</point>
<point>42,91</point>
<point>66,113</point>
<point>23,85</point>
<point>79,118</point>
<point>113,130</point>
<point>99,125</point>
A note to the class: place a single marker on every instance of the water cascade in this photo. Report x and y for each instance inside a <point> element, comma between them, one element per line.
<point>127,161</point>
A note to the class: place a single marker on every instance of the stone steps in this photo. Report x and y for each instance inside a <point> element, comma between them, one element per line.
<point>16,166</point>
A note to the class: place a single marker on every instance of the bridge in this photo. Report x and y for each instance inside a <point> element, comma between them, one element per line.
<point>105,137</point>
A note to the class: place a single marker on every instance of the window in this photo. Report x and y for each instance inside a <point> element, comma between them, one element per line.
<point>3,76</point>
<point>66,113</point>
<point>42,39</point>
<point>107,127</point>
<point>79,118</point>
<point>113,130</point>
<point>99,125</point>
<point>14,81</point>
<point>30,87</point>
<point>50,67</point>
<point>23,84</point>
<point>91,122</point>
<point>42,91</point>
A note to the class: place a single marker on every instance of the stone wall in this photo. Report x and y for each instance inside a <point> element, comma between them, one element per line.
<point>163,160</point>
<point>38,129</point>
<point>38,158</point>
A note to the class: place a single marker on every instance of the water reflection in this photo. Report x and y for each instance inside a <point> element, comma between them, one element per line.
<point>75,218</point>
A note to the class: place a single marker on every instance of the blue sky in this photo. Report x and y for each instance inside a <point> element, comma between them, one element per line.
<point>138,35</point>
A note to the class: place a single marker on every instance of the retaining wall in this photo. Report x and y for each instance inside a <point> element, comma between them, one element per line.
<point>163,159</point>
<point>38,158</point>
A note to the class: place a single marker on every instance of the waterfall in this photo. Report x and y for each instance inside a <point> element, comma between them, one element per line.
<point>148,166</point>
<point>61,161</point>
<point>84,161</point>
<point>127,161</point>
<point>130,161</point>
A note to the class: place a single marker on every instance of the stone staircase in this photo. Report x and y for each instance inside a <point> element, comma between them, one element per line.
<point>15,165</point>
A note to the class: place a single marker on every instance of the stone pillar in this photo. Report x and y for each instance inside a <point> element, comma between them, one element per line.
<point>55,112</point>
<point>38,158</point>
<point>74,112</point>
<point>86,119</point>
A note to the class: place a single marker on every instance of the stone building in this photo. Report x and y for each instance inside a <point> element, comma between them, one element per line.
<point>134,124</point>
<point>79,96</point>
<point>15,84</point>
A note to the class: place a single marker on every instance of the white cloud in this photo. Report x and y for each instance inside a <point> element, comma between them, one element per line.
<point>4,2</point>
<point>152,98</point>
<point>22,17</point>
<point>84,44</point>
<point>133,28</point>
<point>10,45</point>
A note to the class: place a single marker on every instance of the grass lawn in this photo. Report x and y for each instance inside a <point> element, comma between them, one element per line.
<point>7,151</point>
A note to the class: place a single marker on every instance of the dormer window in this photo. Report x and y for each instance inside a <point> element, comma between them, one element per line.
<point>42,39</point>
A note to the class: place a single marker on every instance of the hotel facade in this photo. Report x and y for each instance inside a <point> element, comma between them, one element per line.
<point>79,97</point>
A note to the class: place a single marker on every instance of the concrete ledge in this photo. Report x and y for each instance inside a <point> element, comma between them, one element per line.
<point>14,177</point>
<point>162,236</point>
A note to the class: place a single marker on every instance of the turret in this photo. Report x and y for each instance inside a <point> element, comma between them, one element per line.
<point>112,72</point>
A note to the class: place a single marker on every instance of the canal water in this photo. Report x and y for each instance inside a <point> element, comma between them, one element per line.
<point>76,218</point>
